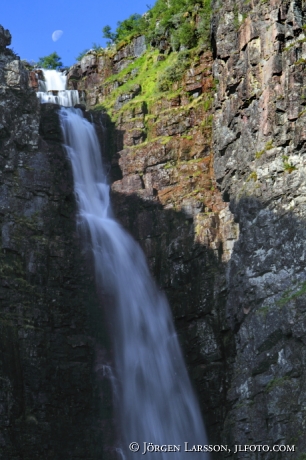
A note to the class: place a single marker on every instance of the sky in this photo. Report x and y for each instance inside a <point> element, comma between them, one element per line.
<point>32,22</point>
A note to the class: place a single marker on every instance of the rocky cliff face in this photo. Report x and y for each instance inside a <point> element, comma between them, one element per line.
<point>49,403</point>
<point>259,146</point>
<point>214,193</point>
<point>164,192</point>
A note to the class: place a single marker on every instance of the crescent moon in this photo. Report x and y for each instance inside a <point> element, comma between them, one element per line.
<point>57,35</point>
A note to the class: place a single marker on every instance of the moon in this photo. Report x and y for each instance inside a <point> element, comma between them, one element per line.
<point>57,35</point>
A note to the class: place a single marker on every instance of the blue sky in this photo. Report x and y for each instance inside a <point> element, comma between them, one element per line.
<point>32,23</point>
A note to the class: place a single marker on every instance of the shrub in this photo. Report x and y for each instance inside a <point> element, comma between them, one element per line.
<point>174,72</point>
<point>173,20</point>
<point>52,61</point>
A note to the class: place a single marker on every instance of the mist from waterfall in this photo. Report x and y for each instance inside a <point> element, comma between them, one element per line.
<point>53,89</point>
<point>156,403</point>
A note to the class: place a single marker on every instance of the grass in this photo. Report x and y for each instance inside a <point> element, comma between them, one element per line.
<point>300,61</point>
<point>297,42</point>
<point>252,176</point>
<point>268,146</point>
<point>148,72</point>
<point>289,294</point>
<point>289,167</point>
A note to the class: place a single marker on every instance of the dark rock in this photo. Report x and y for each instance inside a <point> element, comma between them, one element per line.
<point>49,392</point>
<point>5,38</point>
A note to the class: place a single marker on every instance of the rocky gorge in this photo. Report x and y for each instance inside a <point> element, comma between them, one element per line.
<point>208,176</point>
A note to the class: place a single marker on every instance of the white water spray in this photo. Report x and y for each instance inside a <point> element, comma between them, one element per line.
<point>155,400</point>
<point>53,89</point>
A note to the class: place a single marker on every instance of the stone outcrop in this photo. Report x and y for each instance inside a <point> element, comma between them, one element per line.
<point>93,69</point>
<point>259,145</point>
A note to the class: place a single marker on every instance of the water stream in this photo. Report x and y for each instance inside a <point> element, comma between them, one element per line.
<point>156,403</point>
<point>53,89</point>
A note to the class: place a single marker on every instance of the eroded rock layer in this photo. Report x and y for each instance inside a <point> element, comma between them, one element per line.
<point>259,145</point>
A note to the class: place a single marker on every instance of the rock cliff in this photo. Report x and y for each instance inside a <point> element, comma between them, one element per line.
<point>259,149</point>
<point>49,402</point>
<point>205,152</point>
<point>164,192</point>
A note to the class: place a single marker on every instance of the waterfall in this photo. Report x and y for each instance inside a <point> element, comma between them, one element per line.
<point>155,400</point>
<point>53,89</point>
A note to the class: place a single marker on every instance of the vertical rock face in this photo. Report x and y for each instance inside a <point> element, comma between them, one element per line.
<point>259,144</point>
<point>238,294</point>
<point>48,397</point>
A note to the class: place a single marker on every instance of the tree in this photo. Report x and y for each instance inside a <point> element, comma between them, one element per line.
<point>107,33</point>
<point>53,61</point>
<point>133,25</point>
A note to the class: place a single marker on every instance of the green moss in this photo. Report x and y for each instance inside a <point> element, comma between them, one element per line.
<point>165,139</point>
<point>252,176</point>
<point>291,294</point>
<point>277,382</point>
<point>259,154</point>
<point>147,76</point>
<point>297,42</point>
<point>300,61</point>
<point>207,122</point>
<point>168,166</point>
<point>268,146</point>
<point>264,310</point>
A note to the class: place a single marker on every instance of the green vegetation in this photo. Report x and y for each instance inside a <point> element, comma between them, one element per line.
<point>97,48</point>
<point>173,72</point>
<point>300,61</point>
<point>289,167</point>
<point>157,79</point>
<point>264,310</point>
<point>171,20</point>
<point>52,61</point>
<point>82,54</point>
<point>252,176</point>
<point>291,294</point>
<point>268,146</point>
<point>277,382</point>
<point>107,33</point>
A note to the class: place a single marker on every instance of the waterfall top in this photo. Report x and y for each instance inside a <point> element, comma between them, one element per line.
<point>53,89</point>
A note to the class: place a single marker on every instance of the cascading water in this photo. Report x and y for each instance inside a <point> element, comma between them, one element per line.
<point>156,403</point>
<point>53,89</point>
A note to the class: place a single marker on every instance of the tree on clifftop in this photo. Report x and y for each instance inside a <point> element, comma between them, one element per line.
<point>53,61</point>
